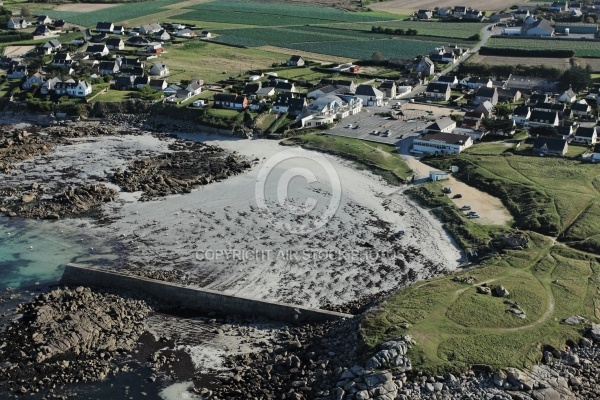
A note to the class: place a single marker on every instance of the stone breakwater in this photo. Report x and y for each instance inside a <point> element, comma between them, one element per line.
<point>68,336</point>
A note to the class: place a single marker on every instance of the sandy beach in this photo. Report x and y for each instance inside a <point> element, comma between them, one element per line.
<point>219,238</point>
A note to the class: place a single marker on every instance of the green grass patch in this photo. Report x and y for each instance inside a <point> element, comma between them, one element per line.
<point>454,327</point>
<point>380,159</point>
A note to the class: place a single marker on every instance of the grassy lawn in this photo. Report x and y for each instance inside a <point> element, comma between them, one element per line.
<point>212,62</point>
<point>544,202</point>
<point>455,327</point>
<point>381,159</point>
<point>115,96</point>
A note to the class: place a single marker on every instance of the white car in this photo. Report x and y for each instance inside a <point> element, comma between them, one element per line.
<point>349,126</point>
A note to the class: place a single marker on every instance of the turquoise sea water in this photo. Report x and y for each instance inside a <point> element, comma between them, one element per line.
<point>35,252</point>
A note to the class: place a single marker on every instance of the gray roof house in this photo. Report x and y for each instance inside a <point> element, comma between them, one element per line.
<point>159,69</point>
<point>547,145</point>
<point>369,95</point>
<point>486,94</point>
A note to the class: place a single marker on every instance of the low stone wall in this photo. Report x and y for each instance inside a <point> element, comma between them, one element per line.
<point>192,298</point>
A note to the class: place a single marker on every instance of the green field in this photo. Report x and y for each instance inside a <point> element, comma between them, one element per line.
<point>379,158</point>
<point>583,48</point>
<point>457,30</point>
<point>455,327</point>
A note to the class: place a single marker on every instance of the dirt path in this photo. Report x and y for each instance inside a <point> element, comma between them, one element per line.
<point>490,209</point>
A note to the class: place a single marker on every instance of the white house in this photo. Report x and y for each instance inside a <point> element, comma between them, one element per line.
<point>369,95</point>
<point>159,69</point>
<point>17,23</point>
<point>107,27</point>
<point>521,115</point>
<point>195,87</point>
<point>325,110</point>
<point>73,88</point>
<point>587,136</point>
<point>567,97</point>
<point>442,143</point>
<point>543,118</point>
<point>186,33</point>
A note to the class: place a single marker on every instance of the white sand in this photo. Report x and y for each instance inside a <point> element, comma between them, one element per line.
<point>178,391</point>
<point>183,232</point>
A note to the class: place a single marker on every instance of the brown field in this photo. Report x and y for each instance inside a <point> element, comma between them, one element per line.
<point>561,63</point>
<point>84,7</point>
<point>401,6</point>
<point>594,63</point>
<point>15,51</point>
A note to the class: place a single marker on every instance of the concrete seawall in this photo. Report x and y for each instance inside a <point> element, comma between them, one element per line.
<point>193,298</point>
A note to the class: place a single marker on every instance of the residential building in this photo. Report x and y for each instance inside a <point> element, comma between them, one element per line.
<point>62,60</point>
<point>286,103</point>
<point>486,94</point>
<point>48,86</point>
<point>115,44</point>
<point>265,92</point>
<point>185,33</point>
<point>560,6</point>
<point>52,46</point>
<point>475,82</point>
<point>17,23</point>
<point>530,84</point>
<point>97,49</point>
<point>473,14</point>
<point>108,68</point>
<point>550,146</point>
<point>568,96</point>
<point>159,69</point>
<point>369,95</point>
<point>158,84</point>
<point>124,82</point>
<point>522,14</point>
<point>137,41</point>
<point>149,29</point>
<point>587,135</point>
<point>107,27</point>
<point>438,91</point>
<point>444,12</point>
<point>576,27</point>
<point>441,125</point>
<point>205,34</point>
<point>73,88</point>
<point>17,71</point>
<point>543,118</point>
<point>195,87</point>
<point>552,107</point>
<point>43,20</point>
<point>140,81</point>
<point>423,65</point>
<point>541,27</point>
<point>509,95</point>
<point>521,115</point>
<point>450,80</point>
<point>296,61</point>
<point>231,101</point>
<point>442,143</point>
<point>460,11</point>
<point>485,107</point>
<point>282,86</point>
<point>565,131</point>
<point>424,14</point>
<point>33,79</point>
<point>118,30</point>
<point>42,30</point>
<point>581,109</point>
<point>327,90</point>
<point>328,109</point>
<point>172,90</point>
<point>162,35</point>
<point>389,89</point>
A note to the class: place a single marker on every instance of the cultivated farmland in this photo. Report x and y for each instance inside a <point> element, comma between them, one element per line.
<point>582,48</point>
<point>458,30</point>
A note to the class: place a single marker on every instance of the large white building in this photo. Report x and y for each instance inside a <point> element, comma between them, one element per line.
<point>442,143</point>
<point>326,110</point>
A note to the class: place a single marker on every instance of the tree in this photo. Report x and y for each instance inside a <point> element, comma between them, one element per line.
<point>25,12</point>
<point>503,110</point>
<point>497,125</point>
<point>546,131</point>
<point>377,56</point>
<point>575,77</point>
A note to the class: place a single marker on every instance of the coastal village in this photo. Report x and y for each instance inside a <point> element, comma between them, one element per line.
<point>447,246</point>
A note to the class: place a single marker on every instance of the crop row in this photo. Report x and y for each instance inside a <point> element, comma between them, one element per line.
<point>115,14</point>
<point>583,48</point>
<point>242,18</point>
<point>459,30</point>
<point>296,34</point>
<point>268,9</point>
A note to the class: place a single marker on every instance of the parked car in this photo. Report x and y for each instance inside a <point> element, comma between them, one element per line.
<point>471,216</point>
<point>400,136</point>
<point>457,196</point>
<point>398,234</point>
<point>447,190</point>
<point>375,133</point>
<point>349,126</point>
<point>465,208</point>
<point>355,127</point>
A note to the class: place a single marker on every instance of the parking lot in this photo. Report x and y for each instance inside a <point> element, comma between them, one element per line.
<point>415,117</point>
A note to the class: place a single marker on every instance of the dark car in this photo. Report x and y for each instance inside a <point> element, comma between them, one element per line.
<point>457,196</point>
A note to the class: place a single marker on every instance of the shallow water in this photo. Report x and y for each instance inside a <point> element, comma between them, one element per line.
<point>35,252</point>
